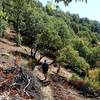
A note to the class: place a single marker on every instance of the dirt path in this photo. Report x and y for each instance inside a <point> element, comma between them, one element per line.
<point>58,88</point>
<point>11,46</point>
<point>46,90</point>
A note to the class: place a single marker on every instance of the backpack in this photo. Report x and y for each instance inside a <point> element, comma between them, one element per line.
<point>45,66</point>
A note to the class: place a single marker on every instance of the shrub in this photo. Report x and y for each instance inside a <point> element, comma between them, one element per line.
<point>18,39</point>
<point>3,24</point>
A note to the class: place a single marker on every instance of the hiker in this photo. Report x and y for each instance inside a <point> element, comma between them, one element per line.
<point>45,69</point>
<point>82,74</point>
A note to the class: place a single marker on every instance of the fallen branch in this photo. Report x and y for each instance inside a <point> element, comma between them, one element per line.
<point>29,81</point>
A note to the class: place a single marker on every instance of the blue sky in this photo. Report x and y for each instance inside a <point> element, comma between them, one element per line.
<point>89,10</point>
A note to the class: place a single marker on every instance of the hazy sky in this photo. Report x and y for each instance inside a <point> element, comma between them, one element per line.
<point>90,10</point>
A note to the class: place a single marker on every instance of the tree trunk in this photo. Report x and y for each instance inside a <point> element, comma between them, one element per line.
<point>17,25</point>
<point>3,7</point>
<point>52,62</point>
<point>34,55</point>
<point>38,61</point>
<point>32,48</point>
<point>31,52</point>
<point>59,66</point>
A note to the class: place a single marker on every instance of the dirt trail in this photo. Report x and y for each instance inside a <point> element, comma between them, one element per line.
<point>11,46</point>
<point>46,90</point>
<point>58,88</point>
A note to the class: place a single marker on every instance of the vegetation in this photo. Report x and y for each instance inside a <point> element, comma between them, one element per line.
<point>69,39</point>
<point>66,2</point>
<point>18,39</point>
<point>3,24</point>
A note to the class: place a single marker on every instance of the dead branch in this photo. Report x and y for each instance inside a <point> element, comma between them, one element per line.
<point>29,81</point>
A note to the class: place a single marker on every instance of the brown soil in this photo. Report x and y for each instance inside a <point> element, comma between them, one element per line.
<point>58,89</point>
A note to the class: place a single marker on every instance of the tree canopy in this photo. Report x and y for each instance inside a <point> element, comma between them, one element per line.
<point>66,2</point>
<point>64,36</point>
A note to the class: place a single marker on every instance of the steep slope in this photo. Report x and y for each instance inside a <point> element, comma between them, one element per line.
<point>58,89</point>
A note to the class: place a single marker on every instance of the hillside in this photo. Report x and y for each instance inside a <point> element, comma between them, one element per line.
<point>58,89</point>
<point>30,34</point>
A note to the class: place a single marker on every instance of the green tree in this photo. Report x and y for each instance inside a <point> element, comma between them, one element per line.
<point>75,27</point>
<point>15,12</point>
<point>66,2</point>
<point>48,42</point>
<point>49,7</point>
<point>75,18</point>
<point>3,24</point>
<point>68,54</point>
<point>85,35</point>
<point>18,39</point>
<point>96,55</point>
<point>3,4</point>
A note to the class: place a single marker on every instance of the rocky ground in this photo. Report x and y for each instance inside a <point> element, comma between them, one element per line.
<point>30,85</point>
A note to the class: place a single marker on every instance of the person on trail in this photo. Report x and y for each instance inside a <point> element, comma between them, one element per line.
<point>45,69</point>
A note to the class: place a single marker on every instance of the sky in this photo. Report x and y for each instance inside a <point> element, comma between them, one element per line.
<point>90,9</point>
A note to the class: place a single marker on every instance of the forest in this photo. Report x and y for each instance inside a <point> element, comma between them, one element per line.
<point>69,40</point>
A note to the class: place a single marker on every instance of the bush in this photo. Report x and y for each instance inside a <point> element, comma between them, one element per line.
<point>3,24</point>
<point>93,84</point>
<point>18,39</point>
